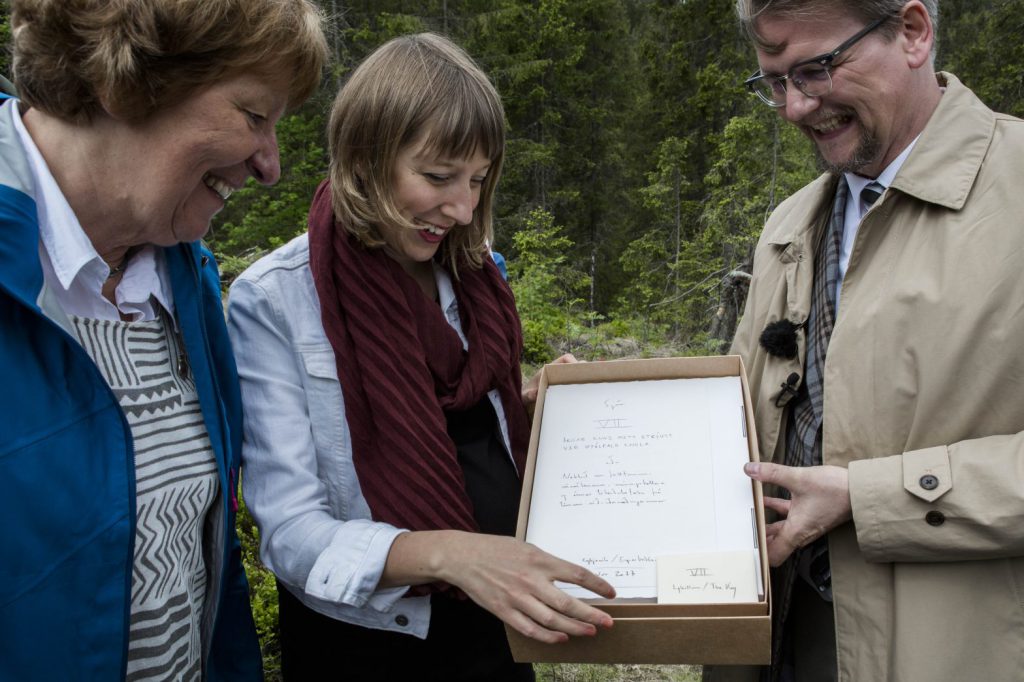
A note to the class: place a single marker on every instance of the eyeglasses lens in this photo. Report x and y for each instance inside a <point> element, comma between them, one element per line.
<point>813,80</point>
<point>771,90</point>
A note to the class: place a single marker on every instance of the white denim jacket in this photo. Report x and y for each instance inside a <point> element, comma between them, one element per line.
<point>316,531</point>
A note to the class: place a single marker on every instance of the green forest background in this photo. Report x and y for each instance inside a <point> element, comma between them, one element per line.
<point>639,171</point>
<point>638,174</point>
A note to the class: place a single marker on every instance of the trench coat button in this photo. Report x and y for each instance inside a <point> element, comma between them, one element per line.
<point>402,620</point>
<point>929,482</point>
<point>935,518</point>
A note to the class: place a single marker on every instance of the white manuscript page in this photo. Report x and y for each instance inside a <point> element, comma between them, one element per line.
<point>627,472</point>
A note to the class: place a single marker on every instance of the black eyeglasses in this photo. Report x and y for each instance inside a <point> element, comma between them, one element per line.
<point>813,77</point>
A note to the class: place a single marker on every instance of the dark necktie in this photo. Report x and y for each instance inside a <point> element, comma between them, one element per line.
<point>869,195</point>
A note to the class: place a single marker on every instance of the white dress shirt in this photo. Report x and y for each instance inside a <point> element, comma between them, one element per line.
<point>856,209</point>
<point>73,272</point>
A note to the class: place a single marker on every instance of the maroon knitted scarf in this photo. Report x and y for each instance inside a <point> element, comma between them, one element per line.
<point>401,365</point>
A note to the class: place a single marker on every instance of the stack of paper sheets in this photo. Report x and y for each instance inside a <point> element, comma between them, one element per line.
<point>631,475</point>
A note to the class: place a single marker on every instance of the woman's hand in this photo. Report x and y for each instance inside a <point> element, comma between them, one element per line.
<point>532,387</point>
<point>511,579</point>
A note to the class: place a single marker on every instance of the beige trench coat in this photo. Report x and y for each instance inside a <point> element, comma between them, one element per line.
<point>924,376</point>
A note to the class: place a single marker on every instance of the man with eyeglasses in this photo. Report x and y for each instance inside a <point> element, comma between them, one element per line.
<point>881,338</point>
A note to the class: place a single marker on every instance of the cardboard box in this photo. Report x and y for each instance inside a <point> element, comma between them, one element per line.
<point>647,632</point>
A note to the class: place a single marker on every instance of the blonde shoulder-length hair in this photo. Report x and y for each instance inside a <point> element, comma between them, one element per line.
<point>420,89</point>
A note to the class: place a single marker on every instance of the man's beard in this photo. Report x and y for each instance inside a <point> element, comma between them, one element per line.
<point>867,151</point>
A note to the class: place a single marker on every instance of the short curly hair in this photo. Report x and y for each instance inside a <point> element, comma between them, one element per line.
<point>421,89</point>
<point>75,58</point>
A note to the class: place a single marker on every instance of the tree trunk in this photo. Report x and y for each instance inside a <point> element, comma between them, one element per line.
<point>732,296</point>
<point>335,36</point>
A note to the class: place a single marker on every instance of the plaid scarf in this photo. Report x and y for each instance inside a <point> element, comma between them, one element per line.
<point>803,436</point>
<point>803,431</point>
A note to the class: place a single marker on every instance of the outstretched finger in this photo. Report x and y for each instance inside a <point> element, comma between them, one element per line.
<point>577,575</point>
<point>775,474</point>
<point>779,550</point>
<point>552,612</point>
<point>528,627</point>
<point>778,504</point>
<point>783,544</point>
<point>571,607</point>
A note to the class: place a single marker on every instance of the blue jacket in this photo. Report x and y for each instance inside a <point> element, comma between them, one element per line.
<point>67,472</point>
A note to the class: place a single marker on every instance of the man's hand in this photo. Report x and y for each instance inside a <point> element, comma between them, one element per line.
<point>820,501</point>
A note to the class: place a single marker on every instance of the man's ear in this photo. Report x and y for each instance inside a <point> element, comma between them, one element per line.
<point>917,34</point>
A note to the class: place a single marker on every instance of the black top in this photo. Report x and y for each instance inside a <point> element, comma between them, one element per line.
<point>491,480</point>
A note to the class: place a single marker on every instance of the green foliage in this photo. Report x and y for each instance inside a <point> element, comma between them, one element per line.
<point>649,270</point>
<point>980,41</point>
<point>565,70</point>
<point>365,37</point>
<point>262,593</point>
<point>568,672</point>
<point>5,39</point>
<point>758,161</point>
<point>548,289</point>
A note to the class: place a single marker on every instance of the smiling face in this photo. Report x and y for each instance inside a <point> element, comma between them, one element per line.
<point>880,99</point>
<point>435,193</point>
<point>185,161</point>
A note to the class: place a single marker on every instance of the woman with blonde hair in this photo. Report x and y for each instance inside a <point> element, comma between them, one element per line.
<point>386,429</point>
<point>122,419</point>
